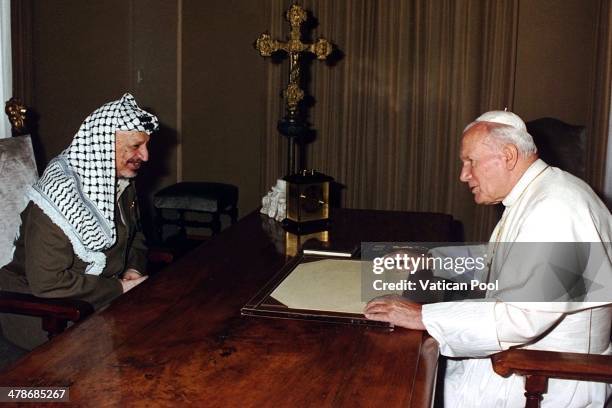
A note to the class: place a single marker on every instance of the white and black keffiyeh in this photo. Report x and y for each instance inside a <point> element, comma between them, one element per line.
<point>77,190</point>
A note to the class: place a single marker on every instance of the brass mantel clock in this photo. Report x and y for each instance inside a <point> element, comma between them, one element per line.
<point>307,201</point>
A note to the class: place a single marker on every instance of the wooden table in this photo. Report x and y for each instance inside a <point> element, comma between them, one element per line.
<point>179,339</point>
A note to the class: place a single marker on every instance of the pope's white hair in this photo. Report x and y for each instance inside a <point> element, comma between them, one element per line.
<point>507,128</point>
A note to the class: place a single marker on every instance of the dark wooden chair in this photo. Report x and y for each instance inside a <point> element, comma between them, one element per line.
<point>54,313</point>
<point>538,366</point>
<point>213,199</point>
<point>560,144</point>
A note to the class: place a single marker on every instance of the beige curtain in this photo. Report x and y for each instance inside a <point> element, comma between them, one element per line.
<point>389,115</point>
<point>601,87</point>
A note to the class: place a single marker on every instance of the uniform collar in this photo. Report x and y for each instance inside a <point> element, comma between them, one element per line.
<point>121,186</point>
<point>530,174</point>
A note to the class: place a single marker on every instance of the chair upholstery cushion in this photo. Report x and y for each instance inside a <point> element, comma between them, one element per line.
<point>197,196</point>
<point>17,171</point>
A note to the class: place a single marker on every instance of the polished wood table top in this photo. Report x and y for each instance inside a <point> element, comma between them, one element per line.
<point>179,338</point>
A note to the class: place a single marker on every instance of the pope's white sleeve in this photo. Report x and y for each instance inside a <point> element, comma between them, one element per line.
<point>516,326</point>
<point>463,329</point>
<point>479,329</point>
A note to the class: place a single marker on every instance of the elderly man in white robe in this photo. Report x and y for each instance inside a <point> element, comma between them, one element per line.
<point>543,204</point>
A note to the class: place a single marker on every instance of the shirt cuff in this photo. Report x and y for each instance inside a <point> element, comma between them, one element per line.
<point>463,329</point>
<point>138,261</point>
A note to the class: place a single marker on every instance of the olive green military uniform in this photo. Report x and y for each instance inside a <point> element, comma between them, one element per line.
<point>45,264</point>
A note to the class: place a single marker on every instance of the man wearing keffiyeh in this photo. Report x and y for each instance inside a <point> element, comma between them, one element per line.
<point>79,236</point>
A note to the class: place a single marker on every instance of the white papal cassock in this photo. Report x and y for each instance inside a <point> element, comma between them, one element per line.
<point>546,205</point>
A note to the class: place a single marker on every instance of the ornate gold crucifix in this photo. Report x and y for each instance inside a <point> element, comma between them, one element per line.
<point>294,46</point>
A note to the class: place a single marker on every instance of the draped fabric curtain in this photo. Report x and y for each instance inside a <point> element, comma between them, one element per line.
<point>6,73</point>
<point>608,177</point>
<point>601,90</point>
<point>21,29</point>
<point>390,113</point>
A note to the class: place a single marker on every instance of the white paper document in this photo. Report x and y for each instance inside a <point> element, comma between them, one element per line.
<point>330,285</point>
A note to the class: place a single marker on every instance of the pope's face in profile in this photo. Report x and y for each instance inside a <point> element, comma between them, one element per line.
<point>483,166</point>
<point>130,152</point>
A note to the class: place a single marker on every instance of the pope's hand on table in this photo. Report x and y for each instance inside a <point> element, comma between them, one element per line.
<point>395,310</point>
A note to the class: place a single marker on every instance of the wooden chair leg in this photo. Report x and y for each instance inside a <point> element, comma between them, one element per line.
<point>53,326</point>
<point>215,224</point>
<point>233,213</point>
<point>181,223</point>
<point>535,386</point>
<point>159,224</point>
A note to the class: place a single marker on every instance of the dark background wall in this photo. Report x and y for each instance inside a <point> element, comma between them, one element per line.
<point>223,94</point>
<point>79,63</point>
<point>555,54</point>
<point>192,63</point>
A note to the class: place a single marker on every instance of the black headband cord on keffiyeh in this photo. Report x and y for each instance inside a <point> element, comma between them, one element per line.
<point>77,189</point>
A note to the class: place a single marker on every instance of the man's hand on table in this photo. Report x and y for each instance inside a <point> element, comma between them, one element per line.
<point>131,278</point>
<point>131,274</point>
<point>395,310</point>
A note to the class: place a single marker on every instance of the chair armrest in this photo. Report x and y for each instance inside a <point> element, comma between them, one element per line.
<point>55,313</point>
<point>570,366</point>
<point>160,256</point>
<point>158,259</point>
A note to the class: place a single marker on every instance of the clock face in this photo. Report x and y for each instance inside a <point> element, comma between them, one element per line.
<point>311,199</point>
<point>308,201</point>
